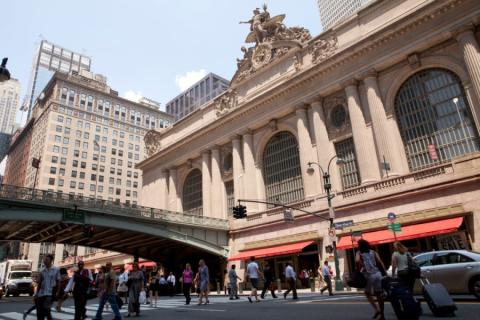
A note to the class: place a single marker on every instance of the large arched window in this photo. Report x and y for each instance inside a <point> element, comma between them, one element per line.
<point>281,165</point>
<point>434,119</point>
<point>192,193</point>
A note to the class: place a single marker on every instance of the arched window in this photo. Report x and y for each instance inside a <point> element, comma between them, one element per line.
<point>192,193</point>
<point>281,165</point>
<point>434,119</point>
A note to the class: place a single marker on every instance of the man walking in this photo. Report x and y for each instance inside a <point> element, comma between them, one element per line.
<point>80,282</point>
<point>291,280</point>
<point>48,278</point>
<point>327,277</point>
<point>269,279</point>
<point>232,278</point>
<point>109,294</point>
<point>171,284</point>
<point>253,273</point>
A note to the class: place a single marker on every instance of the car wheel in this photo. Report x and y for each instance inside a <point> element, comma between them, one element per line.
<point>475,287</point>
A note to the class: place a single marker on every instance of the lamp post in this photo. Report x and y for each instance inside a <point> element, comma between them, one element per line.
<point>328,187</point>
<point>4,73</point>
<point>98,169</point>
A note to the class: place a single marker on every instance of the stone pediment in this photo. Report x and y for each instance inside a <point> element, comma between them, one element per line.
<point>272,40</point>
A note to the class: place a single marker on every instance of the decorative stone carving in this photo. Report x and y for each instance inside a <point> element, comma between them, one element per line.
<point>321,49</point>
<point>336,111</point>
<point>226,102</point>
<point>152,142</point>
<point>272,40</point>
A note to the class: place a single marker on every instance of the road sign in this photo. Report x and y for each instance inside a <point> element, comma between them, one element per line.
<point>391,216</point>
<point>343,224</point>
<point>332,233</point>
<point>396,227</point>
<point>357,234</point>
<point>73,216</point>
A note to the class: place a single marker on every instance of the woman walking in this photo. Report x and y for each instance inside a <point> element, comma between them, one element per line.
<point>369,263</point>
<point>154,286</point>
<point>187,279</point>
<point>61,295</point>
<point>122,284</point>
<point>203,281</point>
<point>135,286</point>
<point>400,259</point>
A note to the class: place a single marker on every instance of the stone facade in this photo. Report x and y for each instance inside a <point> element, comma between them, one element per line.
<point>343,84</point>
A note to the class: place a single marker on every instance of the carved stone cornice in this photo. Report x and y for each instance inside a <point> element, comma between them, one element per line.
<point>226,102</point>
<point>349,83</point>
<point>463,30</point>
<point>371,73</point>
<point>324,48</point>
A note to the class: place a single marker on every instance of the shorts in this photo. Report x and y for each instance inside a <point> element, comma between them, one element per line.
<point>254,282</point>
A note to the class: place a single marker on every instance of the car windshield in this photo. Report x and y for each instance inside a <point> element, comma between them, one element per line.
<point>20,275</point>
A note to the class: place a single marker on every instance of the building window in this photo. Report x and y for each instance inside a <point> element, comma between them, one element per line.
<point>281,165</point>
<point>54,159</point>
<point>230,196</point>
<point>435,119</point>
<point>51,181</point>
<point>349,170</point>
<point>53,170</point>
<point>192,193</point>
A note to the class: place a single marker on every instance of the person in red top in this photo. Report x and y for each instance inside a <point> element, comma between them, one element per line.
<point>187,279</point>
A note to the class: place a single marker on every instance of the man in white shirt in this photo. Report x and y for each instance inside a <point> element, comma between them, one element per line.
<point>327,276</point>
<point>48,278</point>
<point>171,283</point>
<point>253,273</point>
<point>291,280</point>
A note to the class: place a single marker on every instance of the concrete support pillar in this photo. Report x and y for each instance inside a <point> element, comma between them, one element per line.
<point>250,180</point>
<point>173,203</point>
<point>311,179</point>
<point>237,167</point>
<point>471,57</point>
<point>206,184</point>
<point>387,136</point>
<point>325,148</point>
<point>218,190</point>
<point>362,137</point>
<point>163,190</point>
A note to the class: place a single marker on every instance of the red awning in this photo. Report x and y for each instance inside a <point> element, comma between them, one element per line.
<point>408,232</point>
<point>272,251</point>
<point>146,264</point>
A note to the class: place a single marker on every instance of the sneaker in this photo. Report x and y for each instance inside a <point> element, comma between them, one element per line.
<point>24,315</point>
<point>250,300</point>
<point>230,299</point>
<point>284,296</point>
<point>237,297</point>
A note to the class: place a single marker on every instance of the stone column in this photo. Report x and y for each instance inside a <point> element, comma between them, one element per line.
<point>250,175</point>
<point>206,184</point>
<point>218,201</point>
<point>325,148</point>
<point>163,189</point>
<point>311,179</point>
<point>172,190</point>
<point>471,56</point>
<point>237,167</point>
<point>387,136</point>
<point>362,137</point>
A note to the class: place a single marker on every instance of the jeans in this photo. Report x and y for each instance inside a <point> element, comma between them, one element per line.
<point>44,304</point>
<point>266,287</point>
<point>328,282</point>
<point>233,290</point>
<point>186,291</point>
<point>80,301</point>
<point>292,287</point>
<point>112,299</point>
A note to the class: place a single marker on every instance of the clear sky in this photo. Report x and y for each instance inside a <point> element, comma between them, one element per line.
<point>144,47</point>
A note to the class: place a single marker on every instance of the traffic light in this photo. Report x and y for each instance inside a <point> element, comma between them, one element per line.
<point>239,212</point>
<point>88,231</point>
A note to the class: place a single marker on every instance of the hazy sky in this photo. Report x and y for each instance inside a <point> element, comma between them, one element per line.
<point>146,47</point>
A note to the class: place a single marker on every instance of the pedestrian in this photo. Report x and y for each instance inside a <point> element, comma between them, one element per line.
<point>253,274</point>
<point>80,284</point>
<point>122,284</point>
<point>187,279</point>
<point>368,262</point>
<point>203,280</point>
<point>49,278</point>
<point>232,278</point>
<point>100,283</point>
<point>135,286</point>
<point>171,284</point>
<point>291,278</point>
<point>400,259</point>
<point>268,284</point>
<point>109,295</point>
<point>27,312</point>
<point>61,294</point>
<point>327,277</point>
<point>226,283</point>
<point>154,286</point>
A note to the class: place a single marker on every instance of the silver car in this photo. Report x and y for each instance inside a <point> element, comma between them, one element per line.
<point>457,270</point>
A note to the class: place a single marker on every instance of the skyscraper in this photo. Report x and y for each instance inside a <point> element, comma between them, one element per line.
<point>48,59</point>
<point>333,11</point>
<point>9,101</point>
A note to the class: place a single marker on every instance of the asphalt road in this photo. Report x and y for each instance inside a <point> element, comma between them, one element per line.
<point>312,306</point>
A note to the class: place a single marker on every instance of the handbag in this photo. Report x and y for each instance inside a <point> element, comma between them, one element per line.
<point>357,280</point>
<point>122,287</point>
<point>413,269</point>
<point>272,287</point>
<point>142,299</point>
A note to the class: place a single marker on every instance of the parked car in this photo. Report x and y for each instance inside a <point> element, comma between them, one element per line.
<point>457,270</point>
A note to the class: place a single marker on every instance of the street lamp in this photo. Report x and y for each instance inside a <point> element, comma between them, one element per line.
<point>4,73</point>
<point>328,187</point>
<point>457,107</point>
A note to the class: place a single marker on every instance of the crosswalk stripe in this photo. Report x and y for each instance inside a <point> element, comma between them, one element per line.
<point>14,315</point>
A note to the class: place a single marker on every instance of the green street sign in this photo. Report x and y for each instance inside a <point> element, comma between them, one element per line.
<point>396,227</point>
<point>73,216</point>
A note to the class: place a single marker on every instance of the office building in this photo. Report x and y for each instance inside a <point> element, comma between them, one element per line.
<point>51,58</point>
<point>334,11</point>
<point>197,95</point>
<point>9,102</point>
<point>88,140</point>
